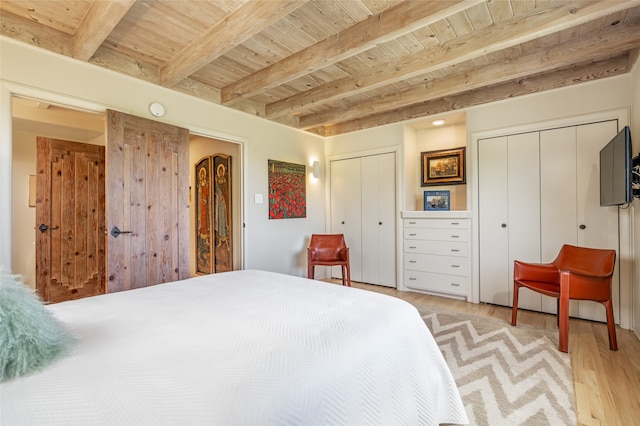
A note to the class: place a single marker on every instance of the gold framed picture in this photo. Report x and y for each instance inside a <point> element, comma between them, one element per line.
<point>443,167</point>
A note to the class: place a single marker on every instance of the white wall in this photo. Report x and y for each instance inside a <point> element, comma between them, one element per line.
<point>275,245</point>
<point>635,136</point>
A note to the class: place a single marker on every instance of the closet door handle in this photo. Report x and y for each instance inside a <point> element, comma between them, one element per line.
<point>583,227</point>
<point>504,225</point>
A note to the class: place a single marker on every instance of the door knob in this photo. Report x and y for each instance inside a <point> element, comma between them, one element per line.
<point>115,232</point>
<point>44,228</point>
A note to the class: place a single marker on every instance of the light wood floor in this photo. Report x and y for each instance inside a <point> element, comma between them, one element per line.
<point>606,383</point>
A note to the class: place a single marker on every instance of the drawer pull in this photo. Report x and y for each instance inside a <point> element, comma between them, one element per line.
<point>455,236</point>
<point>455,250</point>
<point>412,247</point>
<point>412,261</point>
<point>455,266</point>
<point>412,278</point>
<point>455,223</point>
<point>455,284</point>
<point>412,223</point>
<point>412,235</point>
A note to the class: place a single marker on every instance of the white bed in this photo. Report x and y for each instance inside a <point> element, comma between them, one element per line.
<point>239,348</point>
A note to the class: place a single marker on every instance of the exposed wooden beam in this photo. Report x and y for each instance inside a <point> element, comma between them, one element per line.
<point>598,45</point>
<point>247,21</point>
<point>400,19</point>
<point>111,59</point>
<point>97,24</point>
<point>535,84</point>
<point>558,17</point>
<point>35,34</point>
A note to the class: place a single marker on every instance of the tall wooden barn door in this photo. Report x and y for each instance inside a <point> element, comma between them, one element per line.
<point>70,237</point>
<point>147,202</point>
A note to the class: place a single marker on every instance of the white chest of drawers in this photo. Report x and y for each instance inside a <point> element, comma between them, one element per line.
<point>436,252</point>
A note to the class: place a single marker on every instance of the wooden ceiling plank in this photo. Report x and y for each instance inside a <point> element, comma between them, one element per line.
<point>562,78</point>
<point>30,32</point>
<point>239,26</point>
<point>608,42</point>
<point>393,22</point>
<point>97,24</point>
<point>490,39</point>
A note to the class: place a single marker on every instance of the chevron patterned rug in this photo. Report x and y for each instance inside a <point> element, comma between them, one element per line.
<point>506,375</point>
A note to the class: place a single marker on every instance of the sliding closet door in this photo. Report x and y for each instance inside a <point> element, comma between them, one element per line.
<point>379,219</point>
<point>509,214</point>
<point>524,209</point>
<point>598,226</point>
<point>346,211</point>
<point>558,194</point>
<point>493,211</point>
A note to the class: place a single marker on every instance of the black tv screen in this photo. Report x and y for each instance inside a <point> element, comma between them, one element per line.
<point>615,170</point>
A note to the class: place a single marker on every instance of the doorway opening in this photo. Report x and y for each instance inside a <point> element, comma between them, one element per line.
<point>32,118</point>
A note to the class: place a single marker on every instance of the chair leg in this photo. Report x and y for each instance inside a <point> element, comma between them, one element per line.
<point>514,308</point>
<point>563,323</point>
<point>348,275</point>
<point>611,326</point>
<point>344,275</point>
<point>310,271</point>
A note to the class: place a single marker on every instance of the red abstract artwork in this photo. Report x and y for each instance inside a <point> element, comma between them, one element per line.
<point>287,190</point>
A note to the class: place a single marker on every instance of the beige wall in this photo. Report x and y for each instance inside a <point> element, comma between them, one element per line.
<point>27,70</point>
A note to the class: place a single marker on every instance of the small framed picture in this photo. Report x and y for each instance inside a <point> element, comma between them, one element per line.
<point>437,200</point>
<point>444,167</point>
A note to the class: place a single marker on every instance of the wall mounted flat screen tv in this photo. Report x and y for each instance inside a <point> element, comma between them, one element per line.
<point>615,170</point>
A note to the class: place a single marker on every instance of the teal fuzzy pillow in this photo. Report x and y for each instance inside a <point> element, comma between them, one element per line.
<point>30,336</point>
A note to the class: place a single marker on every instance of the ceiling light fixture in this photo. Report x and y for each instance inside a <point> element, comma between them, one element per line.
<point>156,109</point>
<point>438,122</point>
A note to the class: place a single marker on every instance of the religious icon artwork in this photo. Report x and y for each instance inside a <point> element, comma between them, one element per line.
<point>213,215</point>
<point>287,190</point>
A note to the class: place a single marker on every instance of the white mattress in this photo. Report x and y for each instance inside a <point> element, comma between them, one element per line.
<point>240,348</point>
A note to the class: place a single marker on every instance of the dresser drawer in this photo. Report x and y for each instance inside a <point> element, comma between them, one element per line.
<point>436,223</point>
<point>461,235</point>
<point>442,248</point>
<point>441,283</point>
<point>449,265</point>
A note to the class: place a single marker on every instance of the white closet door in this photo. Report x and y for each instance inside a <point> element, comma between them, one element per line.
<point>378,220</point>
<point>493,211</point>
<point>600,223</point>
<point>346,211</point>
<point>558,195</point>
<point>524,209</point>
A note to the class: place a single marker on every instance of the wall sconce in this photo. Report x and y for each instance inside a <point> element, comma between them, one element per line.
<point>316,169</point>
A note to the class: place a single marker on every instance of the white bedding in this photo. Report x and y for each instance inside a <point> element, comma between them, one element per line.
<point>240,348</point>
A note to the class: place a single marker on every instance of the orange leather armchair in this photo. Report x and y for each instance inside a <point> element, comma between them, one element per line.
<point>577,273</point>
<point>329,250</point>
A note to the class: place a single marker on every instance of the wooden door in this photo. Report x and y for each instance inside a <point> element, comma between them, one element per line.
<point>147,202</point>
<point>70,237</point>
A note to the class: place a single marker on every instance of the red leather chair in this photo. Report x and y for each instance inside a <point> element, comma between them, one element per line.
<point>329,250</point>
<point>577,273</point>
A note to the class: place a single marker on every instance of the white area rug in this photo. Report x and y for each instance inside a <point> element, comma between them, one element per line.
<point>506,375</point>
